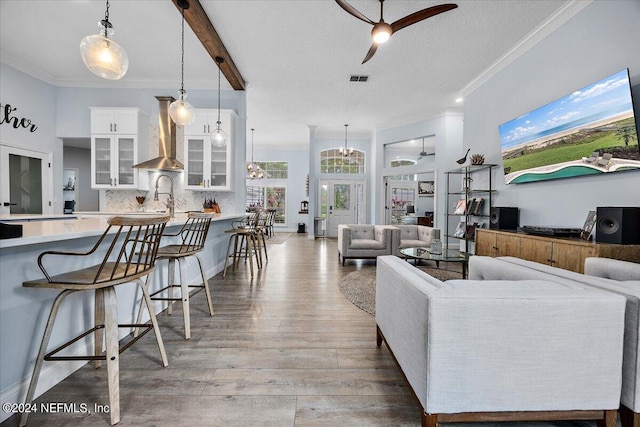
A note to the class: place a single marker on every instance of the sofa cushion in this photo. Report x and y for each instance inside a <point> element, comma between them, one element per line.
<point>412,244</point>
<point>362,232</point>
<point>360,243</point>
<point>612,269</point>
<point>408,232</point>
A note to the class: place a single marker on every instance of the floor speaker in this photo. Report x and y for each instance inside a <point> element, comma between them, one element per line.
<point>502,218</point>
<point>618,225</point>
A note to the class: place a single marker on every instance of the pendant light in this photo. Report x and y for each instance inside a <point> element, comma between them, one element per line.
<point>101,55</point>
<point>219,137</point>
<point>181,111</point>
<point>254,171</point>
<point>345,151</point>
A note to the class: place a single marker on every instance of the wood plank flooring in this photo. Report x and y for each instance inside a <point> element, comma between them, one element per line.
<point>284,349</point>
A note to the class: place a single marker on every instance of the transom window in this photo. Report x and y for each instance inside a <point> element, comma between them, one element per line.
<point>275,170</point>
<point>333,161</point>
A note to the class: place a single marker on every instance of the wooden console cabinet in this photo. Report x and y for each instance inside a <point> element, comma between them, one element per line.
<point>566,253</point>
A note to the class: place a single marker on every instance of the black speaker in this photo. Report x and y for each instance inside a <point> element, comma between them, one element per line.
<point>618,225</point>
<point>502,218</point>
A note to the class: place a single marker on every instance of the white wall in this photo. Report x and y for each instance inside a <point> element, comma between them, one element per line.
<point>36,101</point>
<point>599,41</point>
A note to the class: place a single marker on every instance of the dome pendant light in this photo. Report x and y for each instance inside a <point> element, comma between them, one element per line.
<point>219,137</point>
<point>101,55</point>
<point>181,111</point>
<point>345,151</point>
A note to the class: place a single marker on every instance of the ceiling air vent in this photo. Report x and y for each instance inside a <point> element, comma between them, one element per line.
<point>356,78</point>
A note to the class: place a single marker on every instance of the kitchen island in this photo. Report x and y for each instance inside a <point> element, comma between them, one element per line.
<point>23,311</point>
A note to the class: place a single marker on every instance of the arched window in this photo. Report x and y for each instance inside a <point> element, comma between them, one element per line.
<point>333,161</point>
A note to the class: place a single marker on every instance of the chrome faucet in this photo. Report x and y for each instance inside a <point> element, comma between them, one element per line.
<point>170,203</point>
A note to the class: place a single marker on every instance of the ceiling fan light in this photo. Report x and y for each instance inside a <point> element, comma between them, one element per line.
<point>181,112</point>
<point>381,32</point>
<point>104,57</point>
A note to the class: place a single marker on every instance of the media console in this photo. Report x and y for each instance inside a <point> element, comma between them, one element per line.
<point>567,253</point>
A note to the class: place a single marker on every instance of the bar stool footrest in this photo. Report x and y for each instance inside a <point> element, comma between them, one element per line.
<point>146,327</point>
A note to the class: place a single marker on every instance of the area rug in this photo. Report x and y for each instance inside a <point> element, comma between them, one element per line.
<point>359,287</point>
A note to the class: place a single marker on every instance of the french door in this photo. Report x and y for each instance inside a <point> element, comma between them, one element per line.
<point>25,186</point>
<point>341,202</point>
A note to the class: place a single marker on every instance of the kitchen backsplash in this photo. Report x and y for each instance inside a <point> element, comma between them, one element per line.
<point>125,200</point>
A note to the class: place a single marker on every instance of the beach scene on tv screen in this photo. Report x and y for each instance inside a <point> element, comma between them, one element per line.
<point>591,131</point>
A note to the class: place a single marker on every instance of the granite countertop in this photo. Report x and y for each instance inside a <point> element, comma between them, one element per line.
<point>50,228</point>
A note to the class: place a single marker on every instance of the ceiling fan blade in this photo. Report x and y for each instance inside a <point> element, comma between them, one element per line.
<point>421,15</point>
<point>352,11</point>
<point>372,50</point>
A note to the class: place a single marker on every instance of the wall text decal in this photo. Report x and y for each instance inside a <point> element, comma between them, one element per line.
<point>16,122</point>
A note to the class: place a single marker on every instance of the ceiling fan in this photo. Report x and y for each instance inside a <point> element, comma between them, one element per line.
<point>382,31</point>
<point>424,153</point>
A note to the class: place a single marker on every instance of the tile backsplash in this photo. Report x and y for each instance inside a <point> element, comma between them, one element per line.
<point>185,200</point>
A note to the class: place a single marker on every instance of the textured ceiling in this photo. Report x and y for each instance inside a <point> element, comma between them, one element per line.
<point>296,56</point>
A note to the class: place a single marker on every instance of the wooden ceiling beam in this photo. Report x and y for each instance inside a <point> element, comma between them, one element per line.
<point>202,27</point>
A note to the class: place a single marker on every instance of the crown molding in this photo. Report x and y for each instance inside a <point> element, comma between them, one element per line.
<point>12,61</point>
<point>560,17</point>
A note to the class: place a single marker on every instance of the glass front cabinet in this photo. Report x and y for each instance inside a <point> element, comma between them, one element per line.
<point>207,166</point>
<point>114,151</point>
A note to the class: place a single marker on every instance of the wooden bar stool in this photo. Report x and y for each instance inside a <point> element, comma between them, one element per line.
<point>130,245</point>
<point>193,235</point>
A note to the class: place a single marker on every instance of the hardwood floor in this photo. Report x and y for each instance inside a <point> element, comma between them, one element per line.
<point>284,349</point>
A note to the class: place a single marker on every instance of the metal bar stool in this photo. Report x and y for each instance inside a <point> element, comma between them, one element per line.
<point>193,235</point>
<point>243,240</point>
<point>130,254</point>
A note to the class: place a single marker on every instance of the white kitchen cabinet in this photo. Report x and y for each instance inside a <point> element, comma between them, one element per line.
<point>115,147</point>
<point>207,167</point>
<point>121,121</point>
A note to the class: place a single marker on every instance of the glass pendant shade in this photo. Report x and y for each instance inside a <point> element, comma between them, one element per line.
<point>381,32</point>
<point>104,57</point>
<point>219,138</point>
<point>181,112</point>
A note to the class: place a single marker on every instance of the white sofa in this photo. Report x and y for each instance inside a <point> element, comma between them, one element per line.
<point>502,350</point>
<point>627,284</point>
<point>409,236</point>
<point>364,241</point>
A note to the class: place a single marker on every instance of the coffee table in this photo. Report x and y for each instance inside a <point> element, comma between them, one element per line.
<point>417,254</point>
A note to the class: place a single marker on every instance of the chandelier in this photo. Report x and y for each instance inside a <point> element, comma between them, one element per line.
<point>346,152</point>
<point>253,170</point>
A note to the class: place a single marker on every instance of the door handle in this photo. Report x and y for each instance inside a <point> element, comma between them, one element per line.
<point>10,204</point>
<point>110,127</point>
<point>115,127</point>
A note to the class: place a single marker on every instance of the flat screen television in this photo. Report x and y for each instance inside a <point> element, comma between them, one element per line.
<point>588,132</point>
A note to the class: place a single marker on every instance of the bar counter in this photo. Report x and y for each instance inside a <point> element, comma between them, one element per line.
<point>23,311</point>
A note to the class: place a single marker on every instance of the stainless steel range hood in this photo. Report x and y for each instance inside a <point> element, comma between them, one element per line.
<point>167,160</point>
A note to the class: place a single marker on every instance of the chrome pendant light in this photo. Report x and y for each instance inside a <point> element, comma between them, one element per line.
<point>101,55</point>
<point>346,152</point>
<point>253,170</point>
<point>181,111</point>
<point>218,136</point>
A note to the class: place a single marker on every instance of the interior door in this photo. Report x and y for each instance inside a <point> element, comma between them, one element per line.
<point>26,181</point>
<point>341,205</point>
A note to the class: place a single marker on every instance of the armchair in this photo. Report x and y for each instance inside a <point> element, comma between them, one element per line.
<point>365,241</point>
<point>410,236</point>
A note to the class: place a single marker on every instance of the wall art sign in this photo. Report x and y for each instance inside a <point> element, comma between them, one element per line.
<point>7,117</point>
